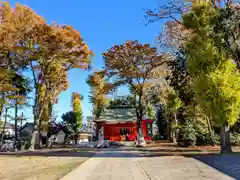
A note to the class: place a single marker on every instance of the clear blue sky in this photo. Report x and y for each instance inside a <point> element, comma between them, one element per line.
<point>102,23</point>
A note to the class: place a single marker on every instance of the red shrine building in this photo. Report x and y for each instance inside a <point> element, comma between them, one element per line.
<point>120,125</point>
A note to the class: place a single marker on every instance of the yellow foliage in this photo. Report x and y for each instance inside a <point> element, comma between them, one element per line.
<point>99,89</point>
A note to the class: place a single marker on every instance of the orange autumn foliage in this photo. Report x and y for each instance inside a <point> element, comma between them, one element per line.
<point>49,51</point>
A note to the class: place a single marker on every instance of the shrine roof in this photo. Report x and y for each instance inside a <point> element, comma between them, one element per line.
<point>118,116</point>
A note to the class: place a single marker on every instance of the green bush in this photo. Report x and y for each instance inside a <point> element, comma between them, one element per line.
<point>186,135</point>
<point>192,134</point>
<point>235,139</point>
<point>158,137</point>
<point>205,139</point>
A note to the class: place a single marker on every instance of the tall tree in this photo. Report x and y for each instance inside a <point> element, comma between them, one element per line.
<point>22,85</point>
<point>13,90</point>
<point>5,87</point>
<point>228,29</point>
<point>71,119</point>
<point>3,125</point>
<point>100,87</point>
<point>133,63</point>
<point>38,47</point>
<point>77,108</point>
<point>171,42</point>
<point>60,82</point>
<point>215,76</point>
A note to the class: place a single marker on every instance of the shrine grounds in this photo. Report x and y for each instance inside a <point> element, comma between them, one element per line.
<point>154,162</point>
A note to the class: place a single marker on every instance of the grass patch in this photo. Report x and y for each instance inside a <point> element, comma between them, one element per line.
<point>37,168</point>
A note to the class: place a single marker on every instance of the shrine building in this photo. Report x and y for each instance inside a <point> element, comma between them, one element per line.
<point>119,124</point>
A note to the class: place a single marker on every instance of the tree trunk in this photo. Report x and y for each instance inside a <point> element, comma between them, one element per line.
<point>34,139</point>
<point>168,126</point>
<point>15,126</point>
<point>36,136</point>
<point>174,134</point>
<point>50,109</point>
<point>4,126</point>
<point>75,138</point>
<point>209,126</point>
<point>39,128</point>
<point>50,105</point>
<point>140,136</point>
<point>225,139</point>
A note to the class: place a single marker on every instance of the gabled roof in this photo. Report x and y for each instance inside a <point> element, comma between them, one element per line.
<point>118,115</point>
<point>27,124</point>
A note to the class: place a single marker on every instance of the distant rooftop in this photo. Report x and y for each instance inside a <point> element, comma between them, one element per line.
<point>9,125</point>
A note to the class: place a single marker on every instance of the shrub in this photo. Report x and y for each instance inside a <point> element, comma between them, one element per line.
<point>186,135</point>
<point>205,139</point>
<point>190,136</point>
<point>158,137</point>
<point>235,139</point>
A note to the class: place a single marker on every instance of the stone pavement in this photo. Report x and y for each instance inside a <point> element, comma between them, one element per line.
<point>113,165</point>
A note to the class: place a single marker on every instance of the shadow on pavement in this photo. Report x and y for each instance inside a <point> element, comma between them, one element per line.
<point>228,164</point>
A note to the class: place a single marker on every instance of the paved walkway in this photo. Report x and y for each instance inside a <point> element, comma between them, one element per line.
<point>115,165</point>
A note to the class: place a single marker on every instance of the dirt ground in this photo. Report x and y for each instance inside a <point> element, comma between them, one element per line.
<point>42,166</point>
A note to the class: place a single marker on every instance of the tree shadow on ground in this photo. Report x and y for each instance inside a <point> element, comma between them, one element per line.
<point>228,164</point>
<point>155,150</point>
<point>94,154</point>
<point>116,152</point>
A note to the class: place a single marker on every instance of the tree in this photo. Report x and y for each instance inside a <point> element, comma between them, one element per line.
<point>174,8</point>
<point>171,42</point>
<point>4,124</point>
<point>22,85</point>
<point>70,118</point>
<point>60,82</point>
<point>39,47</point>
<point>77,109</point>
<point>13,92</point>
<point>173,106</point>
<point>150,112</point>
<point>227,28</point>
<point>100,87</point>
<point>215,76</point>
<point>5,87</point>
<point>132,63</point>
<point>74,56</point>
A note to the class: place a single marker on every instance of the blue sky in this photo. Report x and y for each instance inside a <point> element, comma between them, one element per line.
<point>102,24</point>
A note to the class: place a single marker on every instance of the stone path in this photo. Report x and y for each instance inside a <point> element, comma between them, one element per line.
<point>115,165</point>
